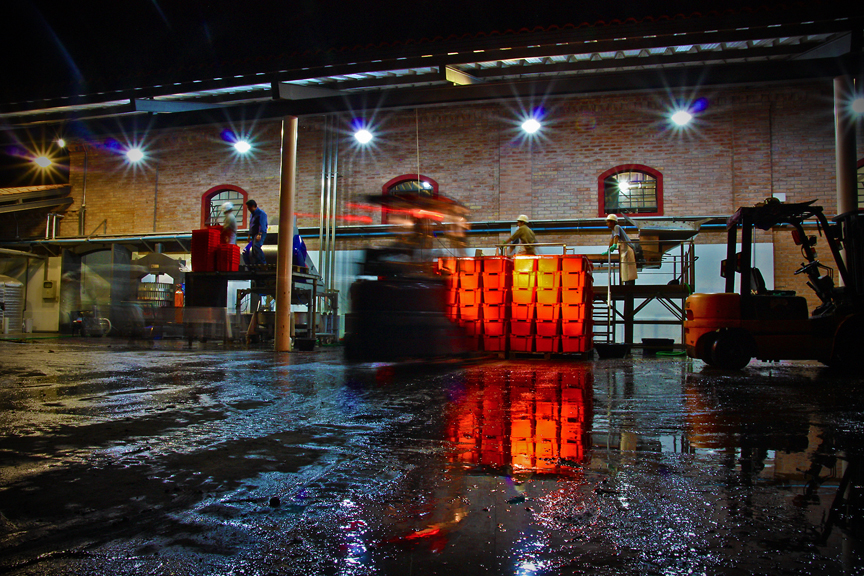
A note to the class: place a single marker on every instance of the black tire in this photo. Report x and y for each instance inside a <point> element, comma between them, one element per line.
<point>731,350</point>
<point>848,342</point>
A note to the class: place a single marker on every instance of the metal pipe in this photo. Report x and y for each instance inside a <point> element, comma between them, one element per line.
<point>282,341</point>
<point>329,224</point>
<point>845,146</point>
<point>334,206</point>
<point>82,214</point>
<point>321,205</point>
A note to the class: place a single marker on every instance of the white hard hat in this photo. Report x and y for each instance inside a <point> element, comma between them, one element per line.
<point>227,207</point>
<point>522,218</point>
<point>612,217</point>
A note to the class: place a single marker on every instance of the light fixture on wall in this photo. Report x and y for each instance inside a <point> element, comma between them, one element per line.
<point>531,125</point>
<point>42,161</point>
<point>134,155</point>
<point>681,117</point>
<point>242,146</point>
<point>363,136</point>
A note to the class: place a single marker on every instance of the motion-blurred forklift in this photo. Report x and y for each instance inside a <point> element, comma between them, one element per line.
<point>727,330</point>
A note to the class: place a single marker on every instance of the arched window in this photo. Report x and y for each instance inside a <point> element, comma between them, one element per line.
<point>212,200</point>
<point>631,189</point>
<point>409,185</point>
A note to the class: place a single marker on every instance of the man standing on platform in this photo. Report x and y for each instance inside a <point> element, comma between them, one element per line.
<point>253,255</point>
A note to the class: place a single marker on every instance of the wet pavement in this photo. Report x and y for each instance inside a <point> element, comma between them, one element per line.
<point>151,458</point>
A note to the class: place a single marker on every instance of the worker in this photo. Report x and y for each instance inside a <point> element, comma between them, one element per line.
<point>523,234</point>
<point>253,255</point>
<point>229,224</point>
<point>627,254</point>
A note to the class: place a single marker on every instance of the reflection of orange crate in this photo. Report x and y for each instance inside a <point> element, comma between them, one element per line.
<point>495,296</point>
<point>572,451</point>
<point>573,383</point>
<point>572,412</point>
<point>546,450</point>
<point>492,458</point>
<point>521,429</point>
<point>521,343</point>
<point>546,411</point>
<point>547,344</point>
<point>494,328</point>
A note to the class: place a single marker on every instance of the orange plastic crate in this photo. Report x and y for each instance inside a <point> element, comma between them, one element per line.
<point>548,296</point>
<point>447,264</point>
<point>522,311</point>
<point>495,281</point>
<point>548,312</point>
<point>469,312</point>
<point>574,280</point>
<point>496,312</point>
<point>469,281</point>
<point>521,343</point>
<point>548,280</point>
<point>494,328</point>
<point>469,297</point>
<point>571,344</point>
<point>547,344</point>
<point>574,296</point>
<point>575,263</point>
<point>546,328</point>
<point>497,264</point>
<point>472,327</point>
<point>574,328</point>
<point>469,265</point>
<point>575,312</point>
<point>452,312</point>
<point>523,296</point>
<point>495,343</point>
<point>496,296</point>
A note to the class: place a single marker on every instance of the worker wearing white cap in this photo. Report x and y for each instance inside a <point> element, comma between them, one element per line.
<point>627,254</point>
<point>229,224</point>
<point>523,234</point>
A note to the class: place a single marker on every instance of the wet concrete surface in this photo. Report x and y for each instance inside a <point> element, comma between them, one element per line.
<point>153,458</point>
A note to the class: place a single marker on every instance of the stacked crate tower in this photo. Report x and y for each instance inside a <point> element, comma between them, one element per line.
<point>497,272</point>
<point>469,299</point>
<point>524,303</point>
<point>576,298</point>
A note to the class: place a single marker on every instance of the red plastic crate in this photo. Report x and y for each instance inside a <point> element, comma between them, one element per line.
<point>547,344</point>
<point>447,264</point>
<point>548,312</point>
<point>469,297</point>
<point>472,327</point>
<point>494,328</point>
<point>575,312</point>
<point>575,296</point>
<point>521,343</point>
<point>526,296</point>
<point>496,312</point>
<point>204,244</point>
<point>497,264</point>
<point>575,344</point>
<point>548,296</point>
<point>522,311</point>
<point>495,343</point>
<point>522,327</point>
<point>496,296</point>
<point>546,328</point>
<point>227,258</point>
<point>452,297</point>
<point>574,328</point>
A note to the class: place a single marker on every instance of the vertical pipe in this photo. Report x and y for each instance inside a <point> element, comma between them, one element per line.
<point>282,342</point>
<point>334,206</point>
<point>845,146</point>
<point>321,206</point>
<point>325,272</point>
<point>155,197</point>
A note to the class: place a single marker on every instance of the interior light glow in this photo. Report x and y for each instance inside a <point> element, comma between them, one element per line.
<point>61,142</point>
<point>531,126</point>
<point>681,117</point>
<point>363,136</point>
<point>623,185</point>
<point>242,146</point>
<point>134,155</point>
<point>42,161</point>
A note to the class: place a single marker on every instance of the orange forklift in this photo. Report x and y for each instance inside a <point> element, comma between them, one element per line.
<point>727,330</point>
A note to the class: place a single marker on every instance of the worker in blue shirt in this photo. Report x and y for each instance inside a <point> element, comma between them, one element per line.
<point>253,255</point>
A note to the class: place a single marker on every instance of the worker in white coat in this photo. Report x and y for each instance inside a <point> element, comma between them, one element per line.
<point>626,251</point>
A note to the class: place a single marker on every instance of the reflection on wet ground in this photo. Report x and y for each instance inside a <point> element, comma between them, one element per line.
<point>163,460</point>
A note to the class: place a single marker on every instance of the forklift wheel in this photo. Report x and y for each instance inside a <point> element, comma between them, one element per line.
<point>731,350</point>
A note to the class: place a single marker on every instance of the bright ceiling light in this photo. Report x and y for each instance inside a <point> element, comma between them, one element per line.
<point>363,136</point>
<point>61,142</point>
<point>42,161</point>
<point>681,117</point>
<point>134,155</point>
<point>242,146</point>
<point>531,126</point>
<point>858,105</point>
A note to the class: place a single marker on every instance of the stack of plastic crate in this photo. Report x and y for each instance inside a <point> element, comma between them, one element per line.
<point>204,244</point>
<point>447,270</point>
<point>548,326</point>
<point>523,304</point>
<point>470,298</point>
<point>576,297</point>
<point>496,277</point>
<point>227,258</point>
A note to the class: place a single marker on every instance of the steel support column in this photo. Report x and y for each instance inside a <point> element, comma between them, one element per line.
<point>282,340</point>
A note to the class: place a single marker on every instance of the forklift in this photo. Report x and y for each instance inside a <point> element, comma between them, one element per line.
<point>727,330</point>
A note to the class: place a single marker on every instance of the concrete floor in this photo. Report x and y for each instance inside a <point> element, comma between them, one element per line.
<point>154,458</point>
